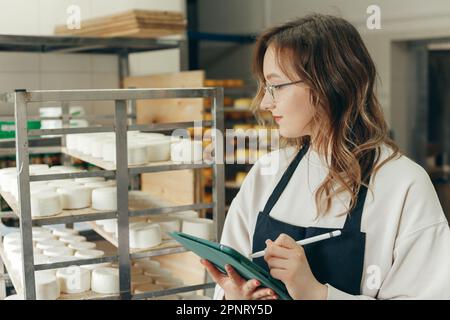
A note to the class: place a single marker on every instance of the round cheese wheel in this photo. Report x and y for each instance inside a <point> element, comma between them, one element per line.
<point>89,180</point>
<point>101,184</point>
<point>78,246</point>
<point>40,231</point>
<point>110,225</point>
<point>58,251</point>
<point>47,286</point>
<point>137,154</point>
<point>157,273</point>
<point>43,237</point>
<point>169,282</point>
<point>142,237</point>
<point>76,197</point>
<point>168,225</point>
<point>45,204</point>
<point>138,280</point>
<point>63,232</point>
<point>97,146</point>
<point>11,237</point>
<point>63,183</point>
<point>47,244</point>
<point>147,287</point>
<point>109,151</point>
<point>147,265</point>
<point>158,150</point>
<point>91,254</point>
<point>198,227</point>
<point>8,181</point>
<point>74,279</point>
<point>104,199</point>
<point>72,239</point>
<point>105,280</point>
<point>38,167</point>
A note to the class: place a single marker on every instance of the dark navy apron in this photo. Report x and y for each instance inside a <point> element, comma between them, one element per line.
<point>337,261</point>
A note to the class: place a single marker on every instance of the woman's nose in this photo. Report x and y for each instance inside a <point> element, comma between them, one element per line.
<point>266,103</point>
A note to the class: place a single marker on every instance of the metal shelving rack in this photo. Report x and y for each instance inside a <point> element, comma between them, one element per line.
<point>121,173</point>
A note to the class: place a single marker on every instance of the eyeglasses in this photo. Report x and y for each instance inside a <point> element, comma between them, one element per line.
<point>271,88</point>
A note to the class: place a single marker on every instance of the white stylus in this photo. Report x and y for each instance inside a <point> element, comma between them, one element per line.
<point>303,242</point>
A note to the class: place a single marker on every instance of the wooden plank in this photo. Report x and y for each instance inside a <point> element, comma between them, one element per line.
<point>142,20</point>
<point>128,26</point>
<point>177,186</point>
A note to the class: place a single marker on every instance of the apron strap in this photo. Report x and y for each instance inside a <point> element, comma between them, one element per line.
<point>285,180</point>
<point>353,220</point>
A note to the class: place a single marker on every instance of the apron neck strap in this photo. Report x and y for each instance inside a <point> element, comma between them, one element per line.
<point>353,220</point>
<point>285,179</point>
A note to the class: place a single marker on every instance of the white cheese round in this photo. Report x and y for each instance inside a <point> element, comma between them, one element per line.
<point>143,237</point>
<point>158,150</point>
<point>198,227</point>
<point>89,180</point>
<point>74,279</point>
<point>168,225</point>
<point>104,199</point>
<point>47,286</point>
<point>78,246</point>
<point>72,239</point>
<point>105,280</point>
<point>147,287</point>
<point>76,197</point>
<point>45,204</point>
<point>58,251</point>
<point>47,244</point>
<point>147,265</point>
<point>63,232</point>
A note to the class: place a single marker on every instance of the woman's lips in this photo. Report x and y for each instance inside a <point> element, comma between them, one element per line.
<point>277,118</point>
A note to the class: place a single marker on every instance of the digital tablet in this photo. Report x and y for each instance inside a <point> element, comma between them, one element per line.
<point>220,255</point>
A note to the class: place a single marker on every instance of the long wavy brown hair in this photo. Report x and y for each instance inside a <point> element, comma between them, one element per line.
<point>328,54</point>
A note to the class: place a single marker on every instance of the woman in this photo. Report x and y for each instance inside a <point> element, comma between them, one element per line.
<point>339,171</point>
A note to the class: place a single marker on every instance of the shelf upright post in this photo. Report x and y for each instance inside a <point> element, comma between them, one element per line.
<point>2,280</point>
<point>218,168</point>
<point>23,183</point>
<point>122,180</point>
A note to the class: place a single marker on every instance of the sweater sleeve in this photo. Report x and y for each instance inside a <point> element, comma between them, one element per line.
<point>236,230</point>
<point>421,257</point>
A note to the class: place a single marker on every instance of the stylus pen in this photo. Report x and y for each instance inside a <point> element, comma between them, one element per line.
<point>303,242</point>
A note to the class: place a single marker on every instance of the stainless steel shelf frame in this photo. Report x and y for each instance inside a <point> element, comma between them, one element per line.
<point>122,97</point>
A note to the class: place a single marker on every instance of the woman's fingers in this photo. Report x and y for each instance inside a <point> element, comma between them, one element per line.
<point>274,250</point>
<point>286,241</point>
<point>217,276</point>
<point>278,263</point>
<point>260,294</point>
<point>234,276</point>
<point>250,286</point>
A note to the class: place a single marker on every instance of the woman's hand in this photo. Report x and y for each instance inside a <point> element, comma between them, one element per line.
<point>287,262</point>
<point>236,287</point>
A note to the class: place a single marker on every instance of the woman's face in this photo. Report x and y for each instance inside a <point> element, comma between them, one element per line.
<point>292,109</point>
